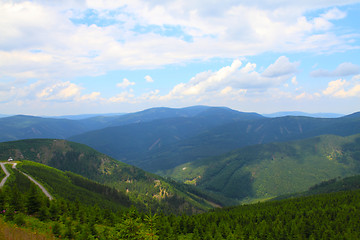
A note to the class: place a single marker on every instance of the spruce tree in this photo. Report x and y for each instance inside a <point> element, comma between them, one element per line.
<point>33,202</point>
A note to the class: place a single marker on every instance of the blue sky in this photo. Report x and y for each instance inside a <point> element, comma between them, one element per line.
<point>104,56</point>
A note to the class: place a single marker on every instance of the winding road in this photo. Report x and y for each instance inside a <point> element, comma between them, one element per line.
<point>30,178</point>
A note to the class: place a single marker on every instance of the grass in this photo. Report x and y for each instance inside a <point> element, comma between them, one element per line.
<point>33,230</point>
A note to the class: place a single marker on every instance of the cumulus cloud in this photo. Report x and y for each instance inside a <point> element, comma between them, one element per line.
<point>281,67</point>
<point>236,78</point>
<point>131,34</point>
<point>334,14</point>
<point>61,91</point>
<point>304,95</point>
<point>58,92</point>
<point>342,88</point>
<point>92,96</point>
<point>126,96</point>
<point>343,70</point>
<point>148,79</point>
<point>125,83</point>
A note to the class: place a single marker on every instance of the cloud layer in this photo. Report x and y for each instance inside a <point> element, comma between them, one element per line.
<point>343,70</point>
<point>93,37</point>
<point>47,46</point>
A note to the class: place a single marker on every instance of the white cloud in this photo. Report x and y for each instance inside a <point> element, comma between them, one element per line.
<point>304,95</point>
<point>343,70</point>
<point>122,97</point>
<point>62,91</point>
<point>235,78</point>
<point>334,14</point>
<point>149,79</point>
<point>149,96</point>
<point>342,88</point>
<point>173,32</point>
<point>281,67</point>
<point>125,83</point>
<point>92,96</point>
<point>334,86</point>
<point>294,81</point>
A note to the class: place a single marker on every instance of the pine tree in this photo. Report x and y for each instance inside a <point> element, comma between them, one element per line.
<point>33,202</point>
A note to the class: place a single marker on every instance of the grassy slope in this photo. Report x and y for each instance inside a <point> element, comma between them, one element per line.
<point>265,171</point>
<point>140,185</point>
<point>11,231</point>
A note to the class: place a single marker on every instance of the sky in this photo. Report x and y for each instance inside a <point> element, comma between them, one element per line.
<point>106,56</point>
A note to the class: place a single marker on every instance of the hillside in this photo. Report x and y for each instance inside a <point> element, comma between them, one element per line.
<point>24,127</point>
<point>330,186</point>
<point>132,143</point>
<point>326,216</point>
<point>224,138</point>
<point>141,187</point>
<point>268,170</point>
<point>67,185</point>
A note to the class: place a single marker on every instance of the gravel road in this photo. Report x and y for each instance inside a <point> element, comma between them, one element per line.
<point>30,178</point>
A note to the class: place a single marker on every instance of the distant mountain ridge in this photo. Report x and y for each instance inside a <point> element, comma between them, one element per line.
<point>161,138</point>
<point>24,127</point>
<point>137,140</point>
<point>303,114</point>
<point>229,136</point>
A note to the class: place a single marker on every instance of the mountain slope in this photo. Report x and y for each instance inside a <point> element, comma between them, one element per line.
<point>330,186</point>
<point>268,170</point>
<point>25,127</point>
<point>227,137</point>
<point>133,142</point>
<point>324,216</point>
<point>68,186</point>
<point>140,186</point>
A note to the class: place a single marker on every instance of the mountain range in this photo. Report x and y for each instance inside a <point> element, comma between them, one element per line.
<point>216,155</point>
<point>166,143</point>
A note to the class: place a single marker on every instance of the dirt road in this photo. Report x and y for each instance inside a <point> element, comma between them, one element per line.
<point>6,173</point>
<point>29,177</point>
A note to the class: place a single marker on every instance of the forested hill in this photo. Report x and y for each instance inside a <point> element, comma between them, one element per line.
<point>166,143</point>
<point>140,186</point>
<point>27,214</point>
<point>24,127</point>
<point>330,186</point>
<point>69,186</point>
<point>228,137</point>
<point>269,170</point>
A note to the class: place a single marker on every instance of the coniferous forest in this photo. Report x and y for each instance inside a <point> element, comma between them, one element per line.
<point>324,216</point>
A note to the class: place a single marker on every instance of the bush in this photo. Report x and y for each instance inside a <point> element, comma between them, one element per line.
<point>19,219</point>
<point>56,229</point>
